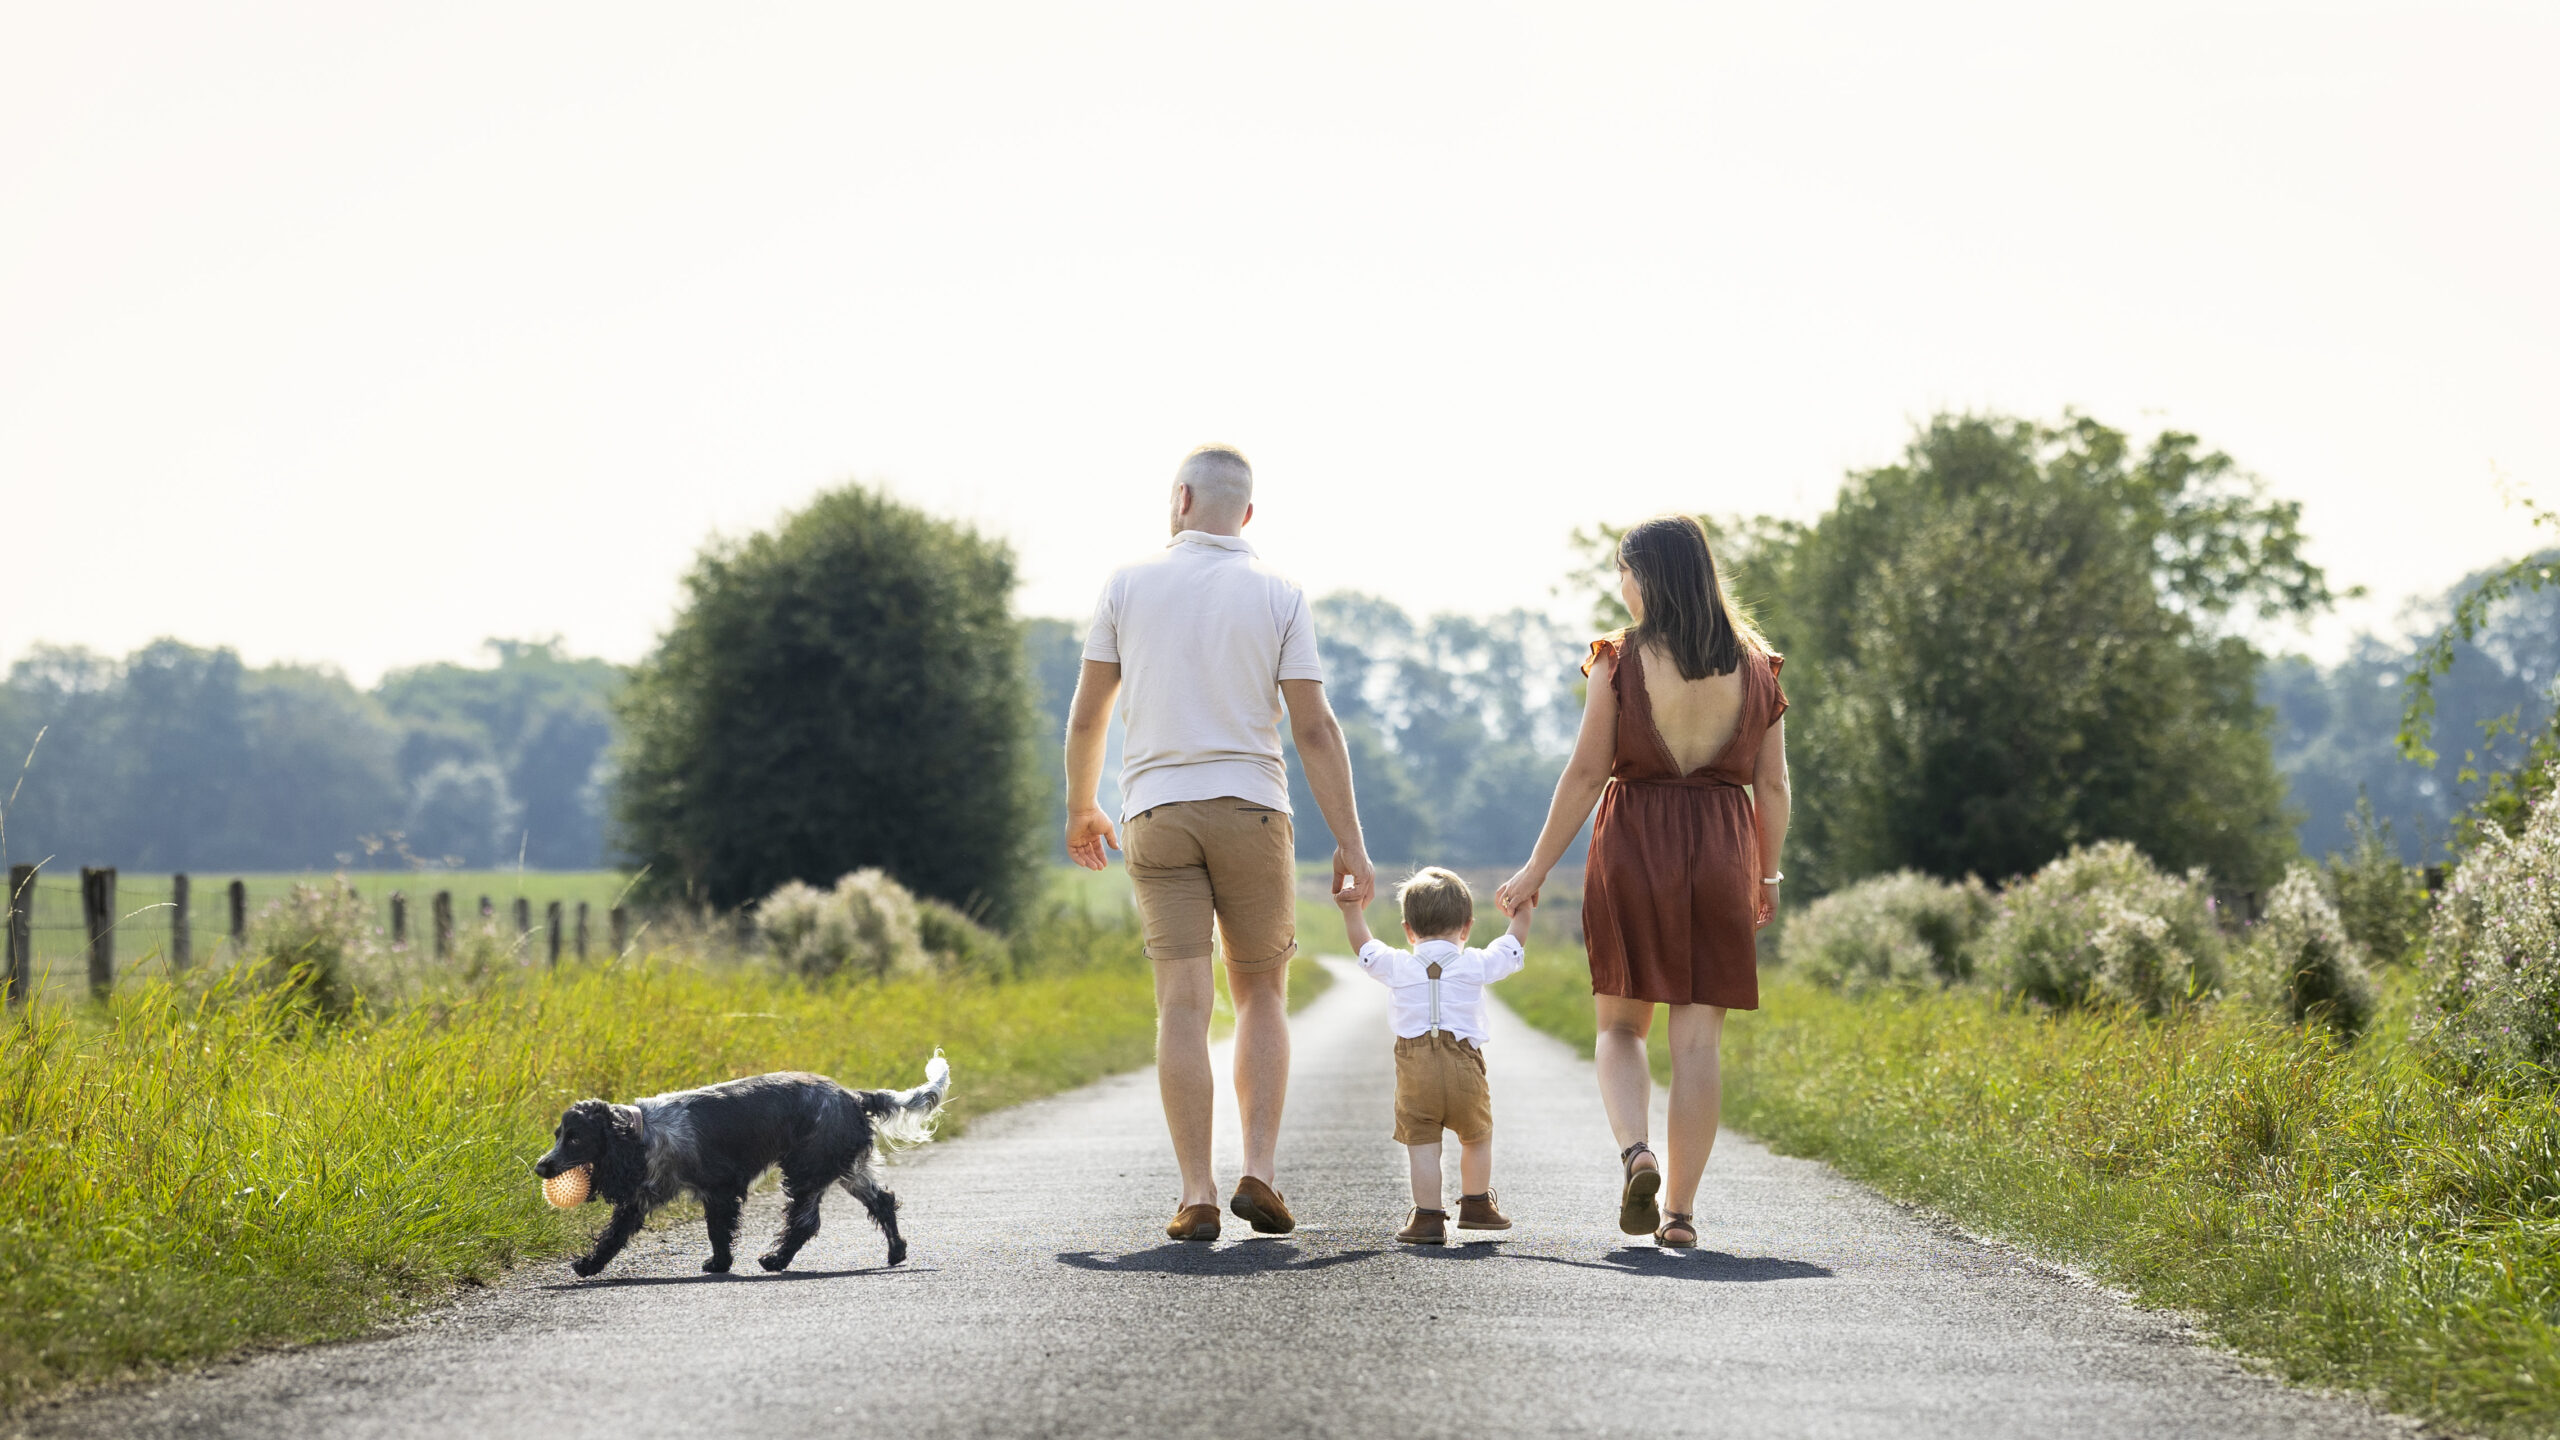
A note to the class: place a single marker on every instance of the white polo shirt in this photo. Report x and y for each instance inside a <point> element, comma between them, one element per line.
<point>1203,634</point>
<point>1464,973</point>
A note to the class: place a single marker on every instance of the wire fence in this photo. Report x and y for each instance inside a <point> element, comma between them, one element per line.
<point>69,935</point>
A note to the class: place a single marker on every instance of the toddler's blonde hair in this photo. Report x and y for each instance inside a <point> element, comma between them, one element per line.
<point>1437,902</point>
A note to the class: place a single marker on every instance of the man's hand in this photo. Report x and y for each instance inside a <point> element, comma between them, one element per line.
<point>1353,876</point>
<point>1088,830</point>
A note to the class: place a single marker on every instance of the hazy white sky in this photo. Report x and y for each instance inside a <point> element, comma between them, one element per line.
<point>359,333</point>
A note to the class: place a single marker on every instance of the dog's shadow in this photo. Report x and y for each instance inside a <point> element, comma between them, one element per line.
<point>627,1282</point>
<point>1248,1257</point>
<point>1709,1265</point>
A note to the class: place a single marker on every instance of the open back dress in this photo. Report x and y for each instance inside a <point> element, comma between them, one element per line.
<point>1673,883</point>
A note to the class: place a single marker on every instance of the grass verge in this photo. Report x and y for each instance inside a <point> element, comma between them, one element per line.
<point>201,1170</point>
<point>2340,1211</point>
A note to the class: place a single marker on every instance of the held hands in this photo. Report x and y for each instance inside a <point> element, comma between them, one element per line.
<point>1520,892</point>
<point>1355,881</point>
<point>1088,830</point>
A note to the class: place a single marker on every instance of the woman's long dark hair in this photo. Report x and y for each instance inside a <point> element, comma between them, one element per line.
<point>1686,608</point>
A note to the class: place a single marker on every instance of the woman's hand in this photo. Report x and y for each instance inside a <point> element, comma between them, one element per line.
<point>1521,889</point>
<point>1767,909</point>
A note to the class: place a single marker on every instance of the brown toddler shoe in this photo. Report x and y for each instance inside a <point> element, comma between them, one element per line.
<point>1195,1222</point>
<point>1261,1206</point>
<point>1477,1212</point>
<point>1427,1227</point>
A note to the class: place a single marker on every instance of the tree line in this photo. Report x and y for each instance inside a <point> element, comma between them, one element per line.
<point>2017,638</point>
<point>178,757</point>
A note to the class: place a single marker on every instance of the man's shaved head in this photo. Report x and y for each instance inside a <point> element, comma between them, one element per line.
<point>1220,480</point>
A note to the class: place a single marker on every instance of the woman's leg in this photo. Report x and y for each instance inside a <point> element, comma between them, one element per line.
<point>1697,1100</point>
<point>1626,1080</point>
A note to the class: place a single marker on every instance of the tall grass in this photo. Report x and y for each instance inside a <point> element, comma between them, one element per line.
<point>2338,1209</point>
<point>201,1169</point>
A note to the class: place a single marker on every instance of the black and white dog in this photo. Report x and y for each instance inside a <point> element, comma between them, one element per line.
<point>714,1142</point>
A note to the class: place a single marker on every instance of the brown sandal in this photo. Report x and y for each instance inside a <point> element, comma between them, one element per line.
<point>1677,1220</point>
<point>1637,1213</point>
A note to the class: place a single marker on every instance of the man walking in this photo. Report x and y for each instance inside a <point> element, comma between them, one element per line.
<point>1208,647</point>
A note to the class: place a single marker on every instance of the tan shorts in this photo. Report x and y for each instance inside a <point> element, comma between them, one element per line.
<point>1230,861</point>
<point>1440,1086</point>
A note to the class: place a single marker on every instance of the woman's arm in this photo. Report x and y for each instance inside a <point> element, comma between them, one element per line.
<point>1769,796</point>
<point>1595,754</point>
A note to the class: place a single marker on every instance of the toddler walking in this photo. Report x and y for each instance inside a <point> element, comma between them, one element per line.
<point>1437,993</point>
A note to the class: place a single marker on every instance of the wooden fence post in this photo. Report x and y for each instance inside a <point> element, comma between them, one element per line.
<point>444,924</point>
<point>22,956</point>
<point>524,917</point>
<point>618,929</point>
<point>582,930</point>
<point>488,911</point>
<point>551,922</point>
<point>98,907</point>
<point>182,940</point>
<point>399,920</point>
<point>239,914</point>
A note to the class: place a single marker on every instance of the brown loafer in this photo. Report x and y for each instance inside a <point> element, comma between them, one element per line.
<point>1261,1207</point>
<point>1478,1212</point>
<point>1426,1227</point>
<point>1196,1222</point>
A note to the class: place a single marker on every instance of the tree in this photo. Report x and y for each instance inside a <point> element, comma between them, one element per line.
<point>845,691</point>
<point>2017,641</point>
<point>507,760</point>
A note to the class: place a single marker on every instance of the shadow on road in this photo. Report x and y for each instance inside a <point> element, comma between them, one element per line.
<point>1250,1257</point>
<point>1691,1265</point>
<point>626,1282</point>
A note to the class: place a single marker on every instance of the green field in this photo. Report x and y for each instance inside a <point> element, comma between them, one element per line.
<point>201,1167</point>
<point>144,913</point>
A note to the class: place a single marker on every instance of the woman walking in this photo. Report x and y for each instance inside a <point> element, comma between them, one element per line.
<point>1683,714</point>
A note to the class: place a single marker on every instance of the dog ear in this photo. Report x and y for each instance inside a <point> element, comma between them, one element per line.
<point>624,1163</point>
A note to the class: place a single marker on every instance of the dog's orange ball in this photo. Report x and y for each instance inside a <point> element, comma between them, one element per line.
<point>569,1189</point>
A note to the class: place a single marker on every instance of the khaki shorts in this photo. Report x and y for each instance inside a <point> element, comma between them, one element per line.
<point>1231,861</point>
<point>1440,1086</point>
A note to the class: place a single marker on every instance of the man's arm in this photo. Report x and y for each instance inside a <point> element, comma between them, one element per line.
<point>1328,765</point>
<point>1088,735</point>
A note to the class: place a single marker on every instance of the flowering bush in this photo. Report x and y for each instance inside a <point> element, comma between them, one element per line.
<point>2300,959</point>
<point>1904,931</point>
<point>2492,1004</point>
<point>866,925</point>
<point>313,945</point>
<point>2103,924</point>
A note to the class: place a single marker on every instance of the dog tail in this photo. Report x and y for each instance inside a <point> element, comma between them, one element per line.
<point>900,1118</point>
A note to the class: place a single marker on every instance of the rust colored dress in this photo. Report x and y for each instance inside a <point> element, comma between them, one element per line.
<point>1674,877</point>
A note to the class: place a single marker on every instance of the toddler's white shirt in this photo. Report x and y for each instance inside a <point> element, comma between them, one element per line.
<point>1464,972</point>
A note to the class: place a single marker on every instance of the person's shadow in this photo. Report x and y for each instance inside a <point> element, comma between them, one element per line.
<point>1249,1257</point>
<point>1711,1265</point>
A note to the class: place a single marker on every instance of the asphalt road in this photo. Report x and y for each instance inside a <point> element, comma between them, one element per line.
<point>1041,1299</point>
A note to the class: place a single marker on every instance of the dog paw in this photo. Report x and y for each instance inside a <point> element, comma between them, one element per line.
<point>584,1268</point>
<point>897,1251</point>
<point>716,1265</point>
<point>771,1261</point>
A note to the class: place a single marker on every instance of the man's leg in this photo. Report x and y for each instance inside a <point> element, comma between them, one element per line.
<point>1185,994</point>
<point>1170,878</point>
<point>1262,1063</point>
<point>1253,871</point>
